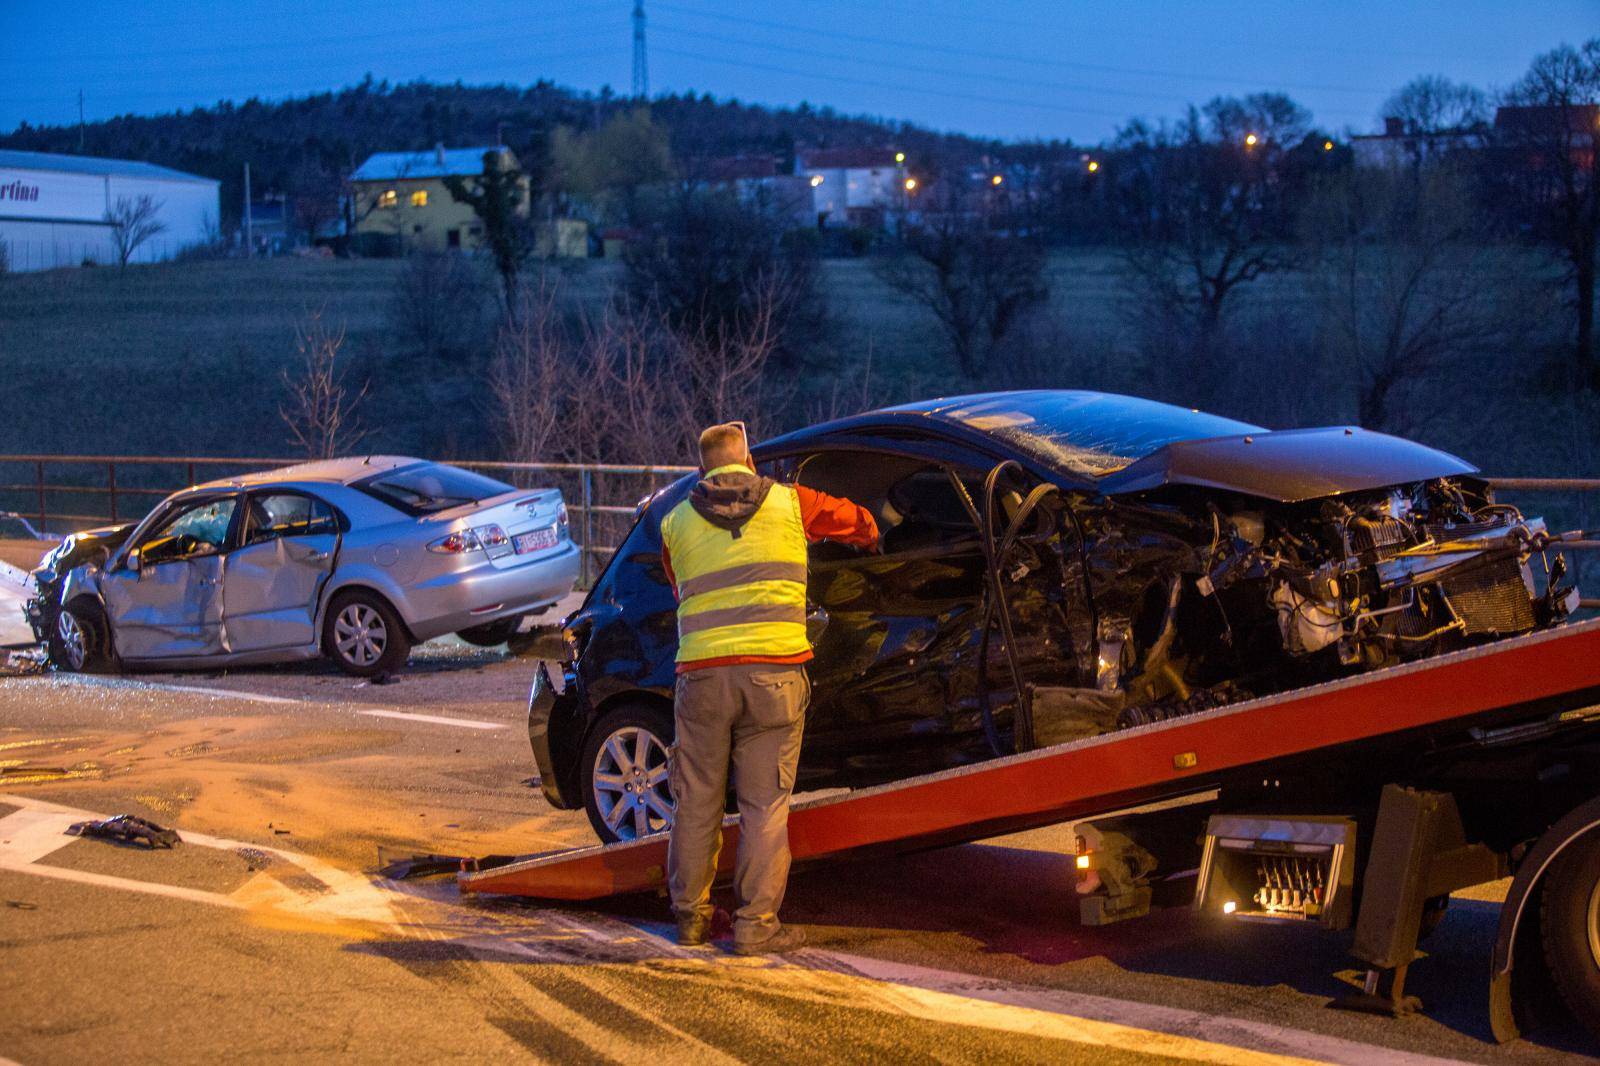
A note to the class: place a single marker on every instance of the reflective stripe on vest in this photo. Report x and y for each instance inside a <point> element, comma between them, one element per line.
<point>743,595</point>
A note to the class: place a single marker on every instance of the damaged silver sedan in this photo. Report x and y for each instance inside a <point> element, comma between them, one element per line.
<point>356,559</point>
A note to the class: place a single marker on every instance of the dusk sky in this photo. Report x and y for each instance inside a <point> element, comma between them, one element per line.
<point>1006,68</point>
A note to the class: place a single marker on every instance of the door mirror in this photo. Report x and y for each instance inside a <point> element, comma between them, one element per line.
<point>134,561</point>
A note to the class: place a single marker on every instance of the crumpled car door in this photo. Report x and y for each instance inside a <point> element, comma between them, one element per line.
<point>270,592</point>
<point>166,610</point>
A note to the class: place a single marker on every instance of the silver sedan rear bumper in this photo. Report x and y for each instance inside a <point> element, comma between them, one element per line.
<point>455,601</point>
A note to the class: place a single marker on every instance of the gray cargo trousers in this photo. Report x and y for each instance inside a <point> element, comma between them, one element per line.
<point>750,716</point>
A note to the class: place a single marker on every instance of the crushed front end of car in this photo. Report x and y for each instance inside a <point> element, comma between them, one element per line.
<point>1260,595</point>
<point>90,547</point>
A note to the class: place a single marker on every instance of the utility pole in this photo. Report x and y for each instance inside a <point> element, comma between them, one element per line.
<point>249,235</point>
<point>641,65</point>
<point>80,120</point>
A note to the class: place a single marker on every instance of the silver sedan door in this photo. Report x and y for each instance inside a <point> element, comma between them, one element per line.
<point>272,583</point>
<point>164,598</point>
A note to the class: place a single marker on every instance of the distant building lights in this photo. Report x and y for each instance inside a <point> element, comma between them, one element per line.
<point>816,179</point>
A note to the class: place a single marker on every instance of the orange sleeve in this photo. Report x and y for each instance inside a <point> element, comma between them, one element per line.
<point>831,518</point>
<point>666,564</point>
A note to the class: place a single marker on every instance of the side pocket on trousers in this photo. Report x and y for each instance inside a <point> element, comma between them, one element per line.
<point>672,772</point>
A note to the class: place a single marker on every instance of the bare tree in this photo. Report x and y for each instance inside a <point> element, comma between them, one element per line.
<point>321,409</point>
<point>316,191</point>
<point>1547,137</point>
<point>1433,104</point>
<point>1407,285</point>
<point>624,385</point>
<point>133,221</point>
<point>531,379</point>
<point>977,282</point>
<point>439,304</point>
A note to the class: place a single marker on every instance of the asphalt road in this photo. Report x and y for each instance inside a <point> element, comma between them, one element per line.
<point>268,933</point>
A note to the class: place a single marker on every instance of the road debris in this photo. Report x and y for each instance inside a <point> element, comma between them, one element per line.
<point>129,829</point>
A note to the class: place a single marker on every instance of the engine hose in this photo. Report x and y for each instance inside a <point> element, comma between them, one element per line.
<point>997,605</point>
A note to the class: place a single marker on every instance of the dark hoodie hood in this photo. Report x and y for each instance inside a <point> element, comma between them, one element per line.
<point>727,500</point>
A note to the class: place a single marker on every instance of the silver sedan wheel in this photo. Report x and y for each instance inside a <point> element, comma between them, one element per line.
<point>630,784</point>
<point>74,645</point>
<point>360,634</point>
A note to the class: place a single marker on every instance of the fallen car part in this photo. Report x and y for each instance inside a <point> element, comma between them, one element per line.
<point>128,828</point>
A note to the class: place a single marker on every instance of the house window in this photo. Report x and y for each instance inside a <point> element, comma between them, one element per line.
<point>419,198</point>
<point>388,198</point>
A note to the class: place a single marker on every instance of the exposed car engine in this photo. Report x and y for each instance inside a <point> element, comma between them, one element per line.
<point>1283,594</point>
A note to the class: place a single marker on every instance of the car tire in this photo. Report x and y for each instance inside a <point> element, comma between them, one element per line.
<point>364,636</point>
<point>1570,924</point>
<point>80,640</point>
<point>632,804</point>
<point>492,634</point>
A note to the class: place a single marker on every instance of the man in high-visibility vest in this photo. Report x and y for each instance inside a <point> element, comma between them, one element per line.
<point>735,552</point>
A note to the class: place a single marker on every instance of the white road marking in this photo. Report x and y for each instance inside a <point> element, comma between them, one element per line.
<point>1146,1017</point>
<point>29,835</point>
<point>348,895</point>
<point>91,681</point>
<point>126,884</point>
<point>254,697</point>
<point>436,719</point>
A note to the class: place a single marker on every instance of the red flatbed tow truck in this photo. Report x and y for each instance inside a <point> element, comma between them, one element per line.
<point>1362,802</point>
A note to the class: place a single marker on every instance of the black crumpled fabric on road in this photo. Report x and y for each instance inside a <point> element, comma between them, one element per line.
<point>128,829</point>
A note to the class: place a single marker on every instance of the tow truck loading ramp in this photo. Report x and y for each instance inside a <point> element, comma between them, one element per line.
<point>1551,672</point>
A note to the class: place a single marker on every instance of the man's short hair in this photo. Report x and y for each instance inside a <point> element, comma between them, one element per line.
<point>723,445</point>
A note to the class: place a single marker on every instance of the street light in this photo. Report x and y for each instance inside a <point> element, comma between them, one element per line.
<point>816,179</point>
<point>1250,140</point>
<point>996,180</point>
<point>911,185</point>
<point>1327,146</point>
<point>899,157</point>
<point>1094,165</point>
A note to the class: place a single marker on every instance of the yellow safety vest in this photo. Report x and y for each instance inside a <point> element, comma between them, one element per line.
<point>743,595</point>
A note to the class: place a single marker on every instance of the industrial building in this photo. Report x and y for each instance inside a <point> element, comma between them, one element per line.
<point>54,209</point>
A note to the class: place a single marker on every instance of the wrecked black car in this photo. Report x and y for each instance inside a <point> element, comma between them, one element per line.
<point>1055,565</point>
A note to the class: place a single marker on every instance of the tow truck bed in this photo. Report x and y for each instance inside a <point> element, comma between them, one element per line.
<point>1558,667</point>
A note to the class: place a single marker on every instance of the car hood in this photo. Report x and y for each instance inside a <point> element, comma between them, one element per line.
<point>1289,465</point>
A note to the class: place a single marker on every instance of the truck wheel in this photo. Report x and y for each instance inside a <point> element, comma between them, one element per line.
<point>492,634</point>
<point>80,641</point>
<point>363,635</point>
<point>1571,927</point>
<point>623,774</point>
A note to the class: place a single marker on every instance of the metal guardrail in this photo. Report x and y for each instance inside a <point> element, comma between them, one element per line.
<point>601,517</point>
<point>600,496</point>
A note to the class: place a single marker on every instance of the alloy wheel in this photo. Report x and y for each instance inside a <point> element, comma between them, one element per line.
<point>630,784</point>
<point>69,634</point>
<point>1594,923</point>
<point>360,634</point>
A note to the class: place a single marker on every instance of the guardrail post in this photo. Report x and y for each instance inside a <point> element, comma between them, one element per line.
<point>111,486</point>
<point>38,472</point>
<point>588,524</point>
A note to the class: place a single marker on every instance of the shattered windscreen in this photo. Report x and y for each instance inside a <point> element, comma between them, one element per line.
<point>1090,434</point>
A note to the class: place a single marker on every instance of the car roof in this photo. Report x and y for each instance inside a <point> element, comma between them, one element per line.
<point>327,471</point>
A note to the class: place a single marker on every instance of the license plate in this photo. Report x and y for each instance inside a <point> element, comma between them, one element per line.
<point>535,540</point>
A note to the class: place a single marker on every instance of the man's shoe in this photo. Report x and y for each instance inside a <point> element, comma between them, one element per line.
<point>787,938</point>
<point>694,932</point>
